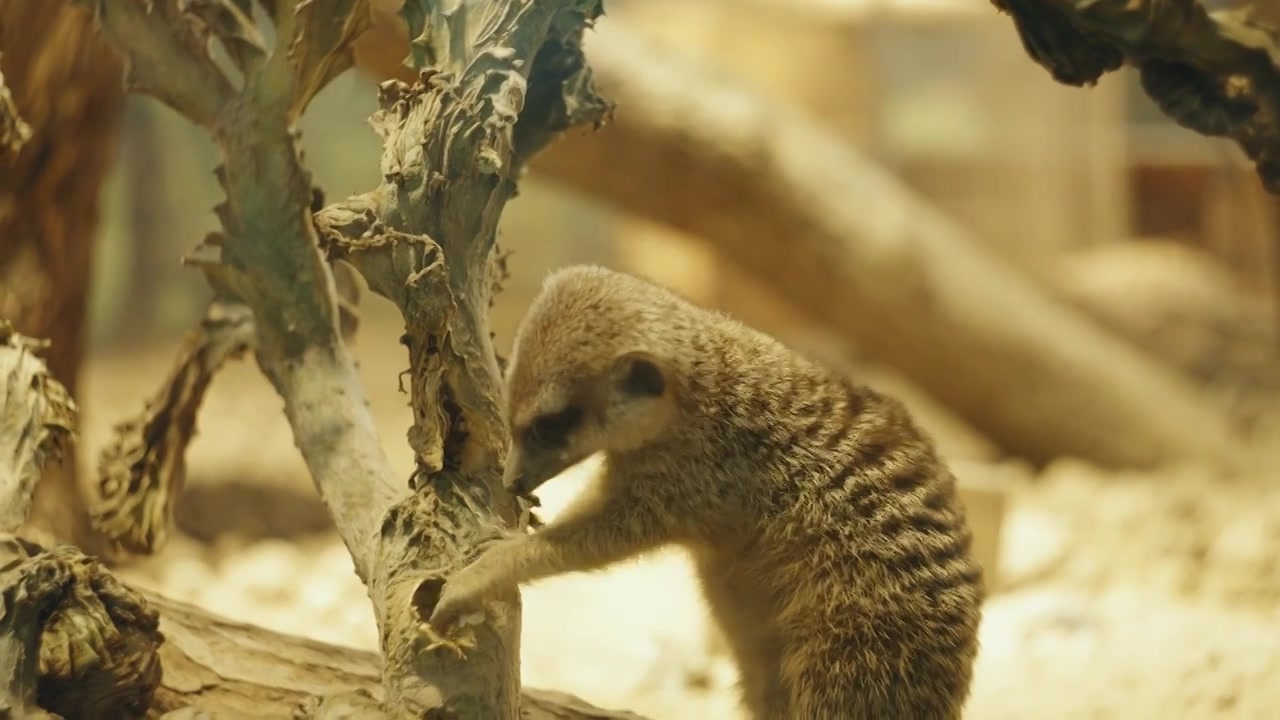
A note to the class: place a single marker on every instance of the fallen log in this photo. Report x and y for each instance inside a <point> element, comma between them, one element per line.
<point>230,669</point>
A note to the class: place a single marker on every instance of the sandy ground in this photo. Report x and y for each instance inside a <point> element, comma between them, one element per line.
<point>1134,596</point>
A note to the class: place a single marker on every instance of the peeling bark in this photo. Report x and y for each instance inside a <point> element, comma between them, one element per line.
<point>501,78</point>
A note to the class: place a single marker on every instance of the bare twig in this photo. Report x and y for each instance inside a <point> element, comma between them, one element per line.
<point>1215,73</point>
<point>266,256</point>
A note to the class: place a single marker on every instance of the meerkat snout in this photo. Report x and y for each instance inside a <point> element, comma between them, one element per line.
<point>620,409</point>
<point>545,446</point>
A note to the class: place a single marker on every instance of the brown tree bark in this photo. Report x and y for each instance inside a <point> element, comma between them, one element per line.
<point>66,86</point>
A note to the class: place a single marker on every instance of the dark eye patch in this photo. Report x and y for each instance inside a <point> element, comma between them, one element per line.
<point>553,429</point>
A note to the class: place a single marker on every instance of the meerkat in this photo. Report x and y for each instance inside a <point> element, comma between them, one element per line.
<point>827,534</point>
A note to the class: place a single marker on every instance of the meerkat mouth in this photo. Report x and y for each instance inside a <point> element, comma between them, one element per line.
<point>528,518</point>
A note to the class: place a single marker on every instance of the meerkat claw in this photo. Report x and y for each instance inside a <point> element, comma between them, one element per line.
<point>438,641</point>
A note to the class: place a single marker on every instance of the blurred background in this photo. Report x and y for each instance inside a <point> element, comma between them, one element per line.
<point>1122,586</point>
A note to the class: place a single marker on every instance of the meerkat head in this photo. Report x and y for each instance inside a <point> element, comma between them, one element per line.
<point>582,377</point>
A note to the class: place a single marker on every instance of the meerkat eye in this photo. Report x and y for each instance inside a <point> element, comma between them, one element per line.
<point>553,428</point>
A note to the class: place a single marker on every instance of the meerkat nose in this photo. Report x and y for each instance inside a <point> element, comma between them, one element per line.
<point>514,479</point>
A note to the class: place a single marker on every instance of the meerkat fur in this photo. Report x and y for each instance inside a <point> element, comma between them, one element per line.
<point>828,537</point>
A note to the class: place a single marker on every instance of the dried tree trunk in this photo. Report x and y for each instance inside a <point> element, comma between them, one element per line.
<point>66,85</point>
<point>499,80</point>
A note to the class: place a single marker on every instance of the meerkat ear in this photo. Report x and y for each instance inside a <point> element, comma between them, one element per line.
<point>639,374</point>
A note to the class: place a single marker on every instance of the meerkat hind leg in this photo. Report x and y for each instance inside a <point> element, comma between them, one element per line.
<point>744,624</point>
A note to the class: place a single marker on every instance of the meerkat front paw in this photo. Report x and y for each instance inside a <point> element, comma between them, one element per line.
<point>477,582</point>
<point>437,641</point>
<point>460,595</point>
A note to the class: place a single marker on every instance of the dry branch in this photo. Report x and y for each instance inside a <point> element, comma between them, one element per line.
<point>266,255</point>
<point>1215,73</point>
<point>502,83</point>
<point>851,245</point>
<point>505,76</point>
<point>143,467</point>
